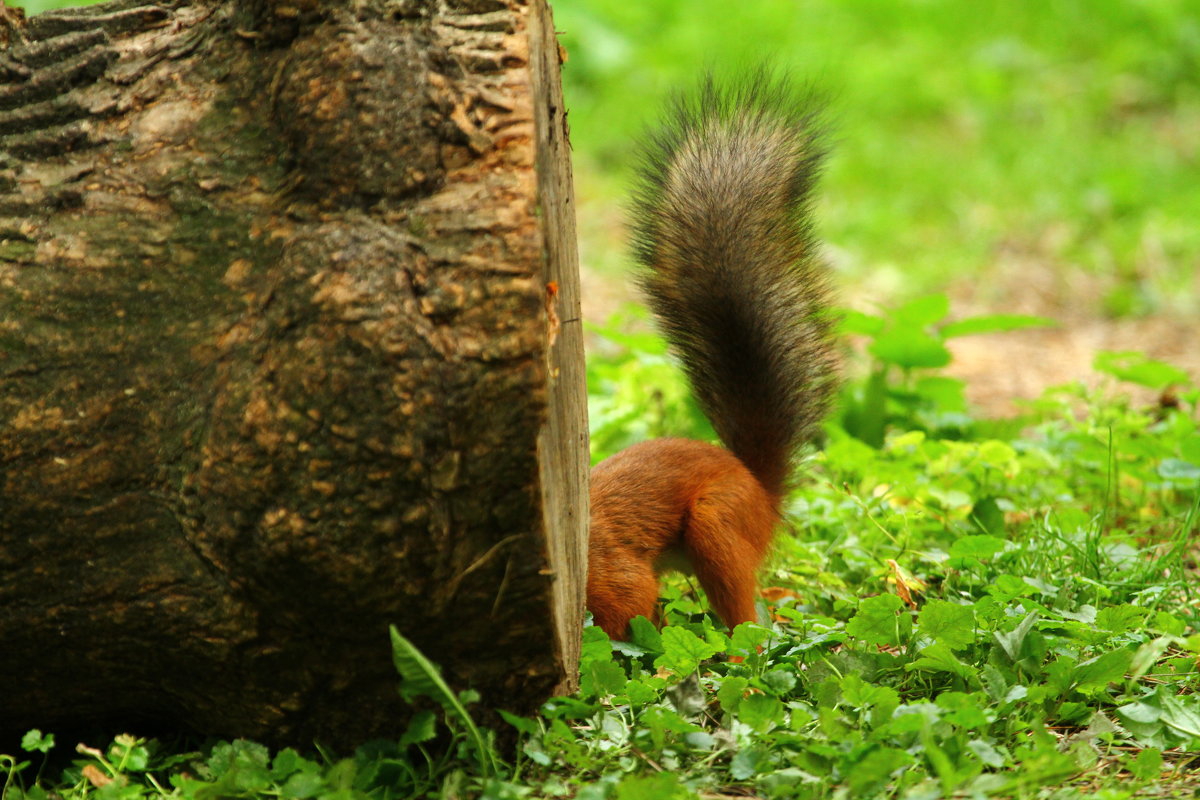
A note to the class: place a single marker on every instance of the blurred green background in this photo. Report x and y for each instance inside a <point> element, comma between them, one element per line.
<point>38,6</point>
<point>1032,156</point>
<point>994,149</point>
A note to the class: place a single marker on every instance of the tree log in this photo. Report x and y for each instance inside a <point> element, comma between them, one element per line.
<point>289,351</point>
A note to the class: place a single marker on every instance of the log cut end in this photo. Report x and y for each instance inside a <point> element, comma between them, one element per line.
<point>289,352</point>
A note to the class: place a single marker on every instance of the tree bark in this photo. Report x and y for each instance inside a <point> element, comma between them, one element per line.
<point>289,351</point>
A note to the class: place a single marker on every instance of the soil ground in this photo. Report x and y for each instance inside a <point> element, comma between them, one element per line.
<point>1003,368</point>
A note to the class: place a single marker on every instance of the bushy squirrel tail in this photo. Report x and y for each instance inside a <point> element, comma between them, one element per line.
<point>722,231</point>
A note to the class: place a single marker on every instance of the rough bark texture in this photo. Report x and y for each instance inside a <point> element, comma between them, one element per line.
<point>288,352</point>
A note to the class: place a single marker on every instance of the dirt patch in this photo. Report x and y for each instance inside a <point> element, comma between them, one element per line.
<point>1002,368</point>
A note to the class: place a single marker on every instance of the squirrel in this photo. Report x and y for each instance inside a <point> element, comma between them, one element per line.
<point>722,234</point>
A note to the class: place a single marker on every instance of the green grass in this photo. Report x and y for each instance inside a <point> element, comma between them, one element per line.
<point>967,609</point>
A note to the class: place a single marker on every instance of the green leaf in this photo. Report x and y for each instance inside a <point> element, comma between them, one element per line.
<point>1181,712</point>
<point>879,620</point>
<point>525,725</point>
<point>785,782</point>
<point>922,311</point>
<point>601,679</point>
<point>1008,587</point>
<point>1148,765</point>
<point>1144,720</point>
<point>303,785</point>
<point>128,753</point>
<point>1148,734</point>
<point>36,742</point>
<point>864,414</point>
<point>640,692</point>
<point>875,770</point>
<point>780,681</point>
<point>730,693</point>
<point>987,515</point>
<point>980,547</point>
<point>856,323</point>
<point>1139,369</point>
<point>1169,624</point>
<point>226,756</point>
<point>910,349</point>
<point>659,721</point>
<point>240,767</point>
<point>940,760</point>
<point>995,323</point>
<point>420,678</point>
<point>682,650</point>
<point>1013,642</point>
<point>994,683</point>
<point>1174,469</point>
<point>747,638</point>
<point>248,779</point>
<point>879,701</point>
<point>1096,673</point>
<point>657,786</point>
<point>421,728</point>
<point>596,646</point>
<point>340,777</point>
<point>761,712</point>
<point>940,658</point>
<point>1060,674</point>
<point>861,694</point>
<point>964,709</point>
<point>943,394</point>
<point>645,635</point>
<point>1189,447</point>
<point>986,753</point>
<point>537,752</point>
<point>749,761</point>
<point>1144,713</point>
<point>949,623</point>
<point>286,762</point>
<point>914,718</point>
<point>1120,619</point>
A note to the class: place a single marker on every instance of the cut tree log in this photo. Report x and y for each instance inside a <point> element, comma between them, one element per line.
<point>289,352</point>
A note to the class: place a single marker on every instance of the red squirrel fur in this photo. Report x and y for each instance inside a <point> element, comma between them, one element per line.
<point>731,272</point>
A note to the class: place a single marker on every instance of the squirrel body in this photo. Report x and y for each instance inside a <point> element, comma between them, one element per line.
<point>728,264</point>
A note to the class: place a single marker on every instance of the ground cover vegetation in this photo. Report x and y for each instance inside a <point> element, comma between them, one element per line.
<point>960,606</point>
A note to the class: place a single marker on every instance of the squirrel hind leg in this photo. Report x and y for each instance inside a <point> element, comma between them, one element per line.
<point>621,595</point>
<point>726,540</point>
